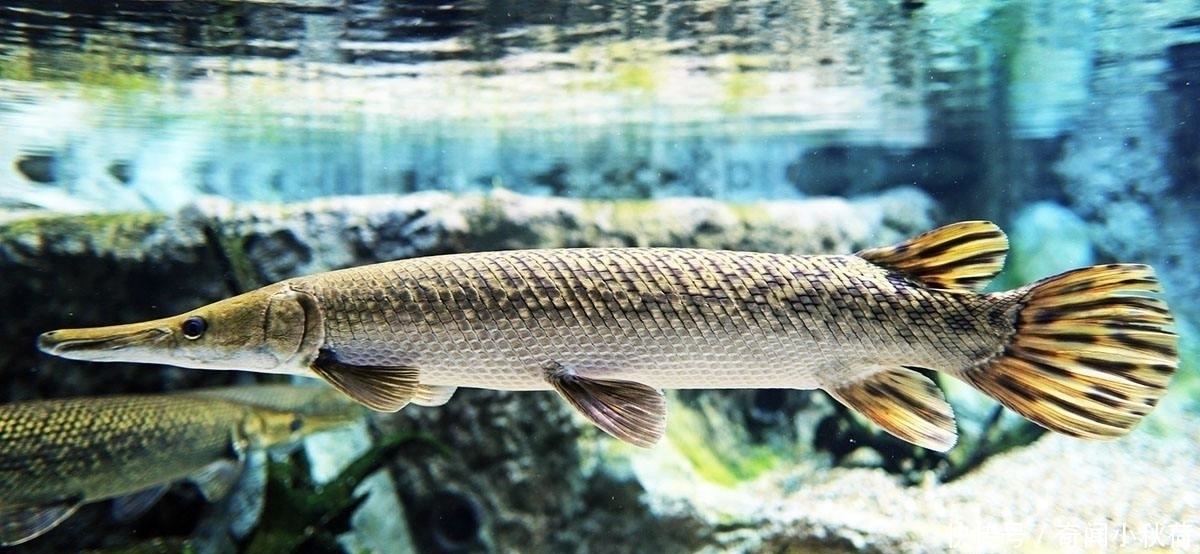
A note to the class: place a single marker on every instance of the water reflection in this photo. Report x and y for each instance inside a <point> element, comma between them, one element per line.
<point>286,100</point>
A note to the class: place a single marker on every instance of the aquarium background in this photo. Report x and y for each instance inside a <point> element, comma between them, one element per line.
<point>158,155</point>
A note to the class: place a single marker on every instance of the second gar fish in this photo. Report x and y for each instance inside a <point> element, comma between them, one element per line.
<point>56,455</point>
<point>1088,352</point>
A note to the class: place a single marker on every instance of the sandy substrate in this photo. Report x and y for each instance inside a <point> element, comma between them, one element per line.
<point>1140,493</point>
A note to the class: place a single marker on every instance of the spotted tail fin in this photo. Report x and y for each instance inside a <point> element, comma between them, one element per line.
<point>1092,353</point>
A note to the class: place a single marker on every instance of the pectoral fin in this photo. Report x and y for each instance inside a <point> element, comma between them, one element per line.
<point>248,497</point>
<point>20,524</point>
<point>906,404</point>
<point>127,508</point>
<point>215,480</point>
<point>383,389</point>
<point>632,412</point>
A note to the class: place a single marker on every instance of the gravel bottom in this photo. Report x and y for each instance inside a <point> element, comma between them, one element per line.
<point>1140,493</point>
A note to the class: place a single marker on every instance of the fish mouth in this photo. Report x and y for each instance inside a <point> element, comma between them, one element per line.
<point>101,343</point>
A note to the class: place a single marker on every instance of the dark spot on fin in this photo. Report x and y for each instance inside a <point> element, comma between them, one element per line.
<point>433,395</point>
<point>961,256</point>
<point>632,412</point>
<point>381,388</point>
<point>906,404</point>
<point>1093,351</point>
<point>127,508</point>
<point>19,524</point>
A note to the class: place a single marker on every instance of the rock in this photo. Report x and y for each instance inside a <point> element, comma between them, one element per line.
<point>90,270</point>
<point>1125,171</point>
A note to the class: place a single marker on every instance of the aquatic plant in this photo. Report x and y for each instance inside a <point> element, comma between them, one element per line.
<point>304,516</point>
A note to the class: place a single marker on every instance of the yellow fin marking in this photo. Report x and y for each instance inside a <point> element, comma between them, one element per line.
<point>906,404</point>
<point>961,256</point>
<point>1092,354</point>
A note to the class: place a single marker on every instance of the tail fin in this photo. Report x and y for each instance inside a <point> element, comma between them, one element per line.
<point>1092,353</point>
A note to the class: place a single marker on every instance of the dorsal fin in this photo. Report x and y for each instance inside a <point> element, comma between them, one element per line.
<point>962,256</point>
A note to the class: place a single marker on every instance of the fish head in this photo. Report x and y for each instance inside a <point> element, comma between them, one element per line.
<point>275,329</point>
<point>279,427</point>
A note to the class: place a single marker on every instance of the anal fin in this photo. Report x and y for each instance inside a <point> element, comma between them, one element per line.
<point>381,388</point>
<point>19,524</point>
<point>906,404</point>
<point>627,410</point>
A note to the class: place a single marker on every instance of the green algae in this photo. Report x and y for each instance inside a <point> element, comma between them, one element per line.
<point>641,77</point>
<point>119,234</point>
<point>628,220</point>
<point>85,223</point>
<point>1008,27</point>
<point>18,66</point>
<point>743,83</point>
<point>716,451</point>
<point>632,66</point>
<point>740,88</point>
<point>231,250</point>
<point>99,68</point>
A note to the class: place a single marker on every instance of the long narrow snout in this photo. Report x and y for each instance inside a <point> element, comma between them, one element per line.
<point>268,330</point>
<point>105,344</point>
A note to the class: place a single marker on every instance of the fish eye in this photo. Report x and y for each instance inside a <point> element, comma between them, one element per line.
<point>297,423</point>
<point>193,327</point>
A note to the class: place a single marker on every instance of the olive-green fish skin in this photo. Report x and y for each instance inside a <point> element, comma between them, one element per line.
<point>88,448</point>
<point>69,452</point>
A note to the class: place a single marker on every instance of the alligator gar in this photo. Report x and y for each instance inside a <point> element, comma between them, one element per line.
<point>1087,353</point>
<point>57,455</point>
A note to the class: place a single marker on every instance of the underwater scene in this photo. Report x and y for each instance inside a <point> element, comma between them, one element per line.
<point>698,276</point>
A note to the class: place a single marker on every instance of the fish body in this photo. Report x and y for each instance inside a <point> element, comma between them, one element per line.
<point>1087,352</point>
<point>666,318</point>
<point>56,455</point>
